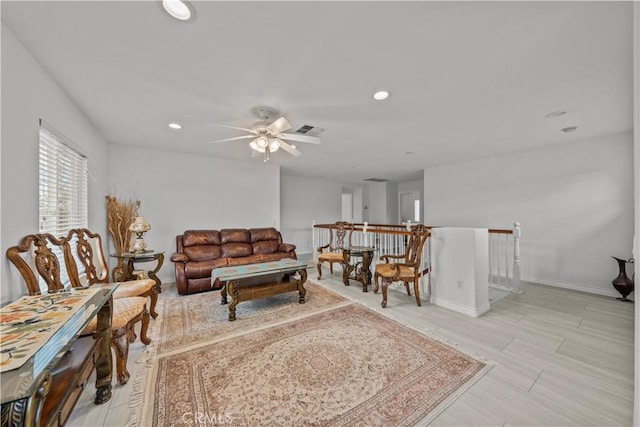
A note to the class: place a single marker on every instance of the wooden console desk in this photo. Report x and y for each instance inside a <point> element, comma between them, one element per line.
<point>41,383</point>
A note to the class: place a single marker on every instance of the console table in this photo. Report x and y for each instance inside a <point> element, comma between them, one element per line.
<point>129,259</point>
<point>45,366</point>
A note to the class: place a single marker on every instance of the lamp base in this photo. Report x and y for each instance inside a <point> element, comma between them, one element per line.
<point>139,246</point>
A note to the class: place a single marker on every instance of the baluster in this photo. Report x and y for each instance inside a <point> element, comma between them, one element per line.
<point>364,231</point>
<point>490,259</point>
<point>506,260</point>
<point>314,240</point>
<point>516,259</point>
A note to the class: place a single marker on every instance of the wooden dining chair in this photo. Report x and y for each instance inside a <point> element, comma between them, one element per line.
<point>87,250</point>
<point>332,251</point>
<point>403,268</point>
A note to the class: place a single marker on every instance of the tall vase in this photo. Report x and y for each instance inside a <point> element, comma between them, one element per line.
<point>622,283</point>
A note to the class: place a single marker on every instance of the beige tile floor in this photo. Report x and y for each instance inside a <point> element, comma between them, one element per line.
<point>560,357</point>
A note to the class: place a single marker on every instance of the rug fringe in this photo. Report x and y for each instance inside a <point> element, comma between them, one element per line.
<point>137,397</point>
<point>435,412</point>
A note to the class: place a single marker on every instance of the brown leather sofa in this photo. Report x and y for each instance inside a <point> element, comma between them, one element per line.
<point>200,251</point>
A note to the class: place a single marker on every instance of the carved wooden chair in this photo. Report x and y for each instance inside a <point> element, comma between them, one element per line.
<point>46,257</point>
<point>86,248</point>
<point>332,251</point>
<point>405,268</point>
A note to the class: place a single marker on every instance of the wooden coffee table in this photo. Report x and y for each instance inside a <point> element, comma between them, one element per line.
<point>247,282</point>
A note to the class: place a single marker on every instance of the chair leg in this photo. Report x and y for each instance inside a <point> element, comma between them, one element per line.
<point>376,285</point>
<point>145,326</point>
<point>120,345</point>
<point>319,270</point>
<point>385,285</point>
<point>416,290</point>
<point>406,286</point>
<point>331,267</point>
<point>154,300</point>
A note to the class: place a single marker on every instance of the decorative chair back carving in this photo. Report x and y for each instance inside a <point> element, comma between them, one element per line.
<point>43,263</point>
<point>419,234</point>
<point>86,248</point>
<point>343,230</point>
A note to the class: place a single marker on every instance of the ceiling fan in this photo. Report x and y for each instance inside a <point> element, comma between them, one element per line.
<point>268,137</point>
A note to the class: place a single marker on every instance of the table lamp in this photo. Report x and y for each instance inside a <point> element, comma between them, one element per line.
<point>139,226</point>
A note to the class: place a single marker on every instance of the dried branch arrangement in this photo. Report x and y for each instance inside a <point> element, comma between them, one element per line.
<point>120,215</point>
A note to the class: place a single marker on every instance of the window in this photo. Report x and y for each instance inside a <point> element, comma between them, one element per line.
<point>63,184</point>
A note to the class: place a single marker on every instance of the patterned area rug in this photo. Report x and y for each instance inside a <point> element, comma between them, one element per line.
<point>192,320</point>
<point>342,366</point>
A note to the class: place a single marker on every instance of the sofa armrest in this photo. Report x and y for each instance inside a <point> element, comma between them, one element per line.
<point>179,258</point>
<point>287,247</point>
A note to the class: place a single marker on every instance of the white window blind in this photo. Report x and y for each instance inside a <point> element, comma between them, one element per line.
<point>63,184</point>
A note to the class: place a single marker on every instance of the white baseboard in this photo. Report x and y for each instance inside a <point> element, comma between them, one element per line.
<point>464,309</point>
<point>575,287</point>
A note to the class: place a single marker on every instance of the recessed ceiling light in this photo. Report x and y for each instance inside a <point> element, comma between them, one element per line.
<point>381,95</point>
<point>409,152</point>
<point>569,129</point>
<point>175,125</point>
<point>177,8</point>
<point>553,114</point>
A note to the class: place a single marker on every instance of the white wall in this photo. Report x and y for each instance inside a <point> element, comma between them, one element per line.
<point>28,94</point>
<point>574,203</point>
<point>378,203</point>
<point>304,200</point>
<point>181,191</point>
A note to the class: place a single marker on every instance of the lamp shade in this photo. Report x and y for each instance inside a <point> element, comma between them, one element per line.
<point>140,225</point>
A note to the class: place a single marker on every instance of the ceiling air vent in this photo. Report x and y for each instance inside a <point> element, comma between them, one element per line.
<point>309,130</point>
<point>376,180</point>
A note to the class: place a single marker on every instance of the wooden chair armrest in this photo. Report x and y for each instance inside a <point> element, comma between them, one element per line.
<point>320,248</point>
<point>387,257</point>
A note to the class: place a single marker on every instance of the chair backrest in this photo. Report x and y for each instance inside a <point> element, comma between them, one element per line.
<point>44,263</point>
<point>417,238</point>
<point>343,230</point>
<point>85,247</point>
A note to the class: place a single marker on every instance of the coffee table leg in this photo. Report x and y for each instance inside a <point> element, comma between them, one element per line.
<point>223,294</point>
<point>302,291</point>
<point>233,292</point>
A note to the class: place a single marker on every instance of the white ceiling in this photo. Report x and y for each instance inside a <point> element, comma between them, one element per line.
<point>467,79</point>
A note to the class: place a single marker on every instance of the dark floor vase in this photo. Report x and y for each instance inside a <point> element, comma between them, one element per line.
<point>622,283</point>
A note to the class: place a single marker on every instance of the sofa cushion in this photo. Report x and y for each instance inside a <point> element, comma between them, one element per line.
<point>202,252</point>
<point>201,237</point>
<point>235,235</point>
<point>259,234</point>
<point>198,270</point>
<point>234,250</point>
<point>265,247</point>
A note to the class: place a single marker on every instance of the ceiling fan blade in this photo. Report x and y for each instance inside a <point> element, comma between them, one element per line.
<point>278,126</point>
<point>235,127</point>
<point>300,138</point>
<point>232,139</point>
<point>289,149</point>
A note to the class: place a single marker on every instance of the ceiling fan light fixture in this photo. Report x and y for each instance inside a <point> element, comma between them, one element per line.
<point>177,9</point>
<point>262,142</point>
<point>381,95</point>
<point>254,146</point>
<point>274,144</point>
